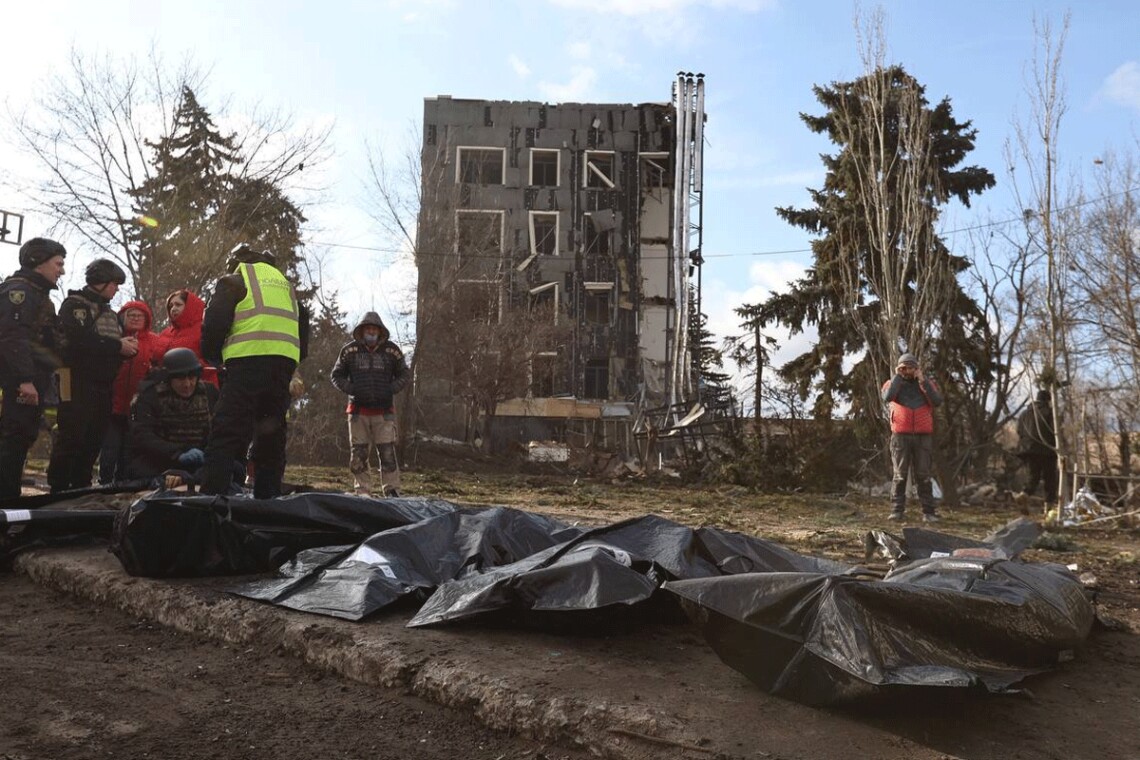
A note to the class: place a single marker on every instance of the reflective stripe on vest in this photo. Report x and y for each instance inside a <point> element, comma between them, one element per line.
<point>265,321</point>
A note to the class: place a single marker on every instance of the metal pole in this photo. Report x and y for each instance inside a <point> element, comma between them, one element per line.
<point>678,216</point>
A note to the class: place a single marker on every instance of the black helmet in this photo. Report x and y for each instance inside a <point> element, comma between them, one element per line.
<point>181,362</point>
<point>38,250</point>
<point>243,254</point>
<point>100,271</point>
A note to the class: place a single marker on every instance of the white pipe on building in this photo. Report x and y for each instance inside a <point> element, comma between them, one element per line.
<point>680,370</point>
<point>699,136</point>
<point>679,237</point>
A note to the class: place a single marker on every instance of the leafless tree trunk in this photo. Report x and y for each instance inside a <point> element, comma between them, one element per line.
<point>1036,145</point>
<point>1001,284</point>
<point>898,175</point>
<point>1107,267</point>
<point>1106,286</point>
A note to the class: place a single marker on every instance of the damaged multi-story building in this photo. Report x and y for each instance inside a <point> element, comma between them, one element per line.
<point>558,255</point>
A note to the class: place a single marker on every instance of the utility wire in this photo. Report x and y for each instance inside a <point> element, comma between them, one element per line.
<point>785,252</point>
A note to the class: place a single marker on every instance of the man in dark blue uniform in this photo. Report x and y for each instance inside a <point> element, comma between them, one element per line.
<point>93,346</point>
<point>27,354</point>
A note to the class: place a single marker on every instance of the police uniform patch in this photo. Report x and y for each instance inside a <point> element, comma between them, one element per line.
<point>16,296</point>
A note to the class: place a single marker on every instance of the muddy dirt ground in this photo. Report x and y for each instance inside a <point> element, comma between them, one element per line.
<point>81,681</point>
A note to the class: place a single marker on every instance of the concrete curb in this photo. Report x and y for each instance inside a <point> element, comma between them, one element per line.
<point>658,692</point>
<point>362,652</point>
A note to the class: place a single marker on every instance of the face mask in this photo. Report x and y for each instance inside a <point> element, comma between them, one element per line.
<point>371,340</point>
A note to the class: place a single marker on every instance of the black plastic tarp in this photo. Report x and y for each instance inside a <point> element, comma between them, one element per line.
<point>1006,542</point>
<point>173,534</point>
<point>351,582</point>
<point>615,567</point>
<point>934,622</point>
<point>953,611</point>
<point>22,529</point>
<point>517,564</point>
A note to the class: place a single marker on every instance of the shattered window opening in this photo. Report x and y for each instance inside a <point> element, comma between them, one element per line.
<point>599,169</point>
<point>542,373</point>
<point>479,300</point>
<point>655,170</point>
<point>596,308</point>
<point>545,298</point>
<point>544,233</point>
<point>597,242</point>
<point>480,166</point>
<point>597,379</point>
<point>478,234</point>
<point>544,165</point>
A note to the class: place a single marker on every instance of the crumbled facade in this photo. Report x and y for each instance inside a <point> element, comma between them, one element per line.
<point>564,211</point>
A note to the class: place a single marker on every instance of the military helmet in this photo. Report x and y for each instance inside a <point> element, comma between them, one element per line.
<point>181,362</point>
<point>242,253</point>
<point>38,250</point>
<point>100,271</point>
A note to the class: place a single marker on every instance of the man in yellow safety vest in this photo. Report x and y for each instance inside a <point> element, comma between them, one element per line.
<point>255,330</point>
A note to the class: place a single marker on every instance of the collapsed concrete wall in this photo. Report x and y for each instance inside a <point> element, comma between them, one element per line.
<point>563,207</point>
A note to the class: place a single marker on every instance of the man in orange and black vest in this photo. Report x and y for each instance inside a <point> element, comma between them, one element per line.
<point>911,398</point>
<point>255,329</point>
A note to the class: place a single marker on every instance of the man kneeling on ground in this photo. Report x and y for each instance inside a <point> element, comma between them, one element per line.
<point>170,419</point>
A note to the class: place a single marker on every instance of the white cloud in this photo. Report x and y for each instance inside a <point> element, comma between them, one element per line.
<point>576,90</point>
<point>719,299</point>
<point>776,275</point>
<point>1122,86</point>
<point>579,50</point>
<point>519,66</point>
<point>757,179</point>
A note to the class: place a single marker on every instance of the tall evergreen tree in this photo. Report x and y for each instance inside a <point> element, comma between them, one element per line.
<point>882,281</point>
<point>707,359</point>
<point>199,204</point>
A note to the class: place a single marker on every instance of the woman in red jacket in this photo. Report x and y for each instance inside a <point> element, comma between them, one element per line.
<point>185,310</point>
<point>134,319</point>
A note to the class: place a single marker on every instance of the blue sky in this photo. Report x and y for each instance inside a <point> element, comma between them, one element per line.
<point>365,67</point>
